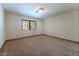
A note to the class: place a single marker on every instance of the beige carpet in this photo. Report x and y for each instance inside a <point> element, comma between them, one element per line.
<point>40,45</point>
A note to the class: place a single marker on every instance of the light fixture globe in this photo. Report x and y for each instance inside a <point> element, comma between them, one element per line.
<point>41,10</point>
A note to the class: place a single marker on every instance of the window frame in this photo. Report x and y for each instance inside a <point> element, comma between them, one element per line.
<point>29,24</point>
<point>22,24</point>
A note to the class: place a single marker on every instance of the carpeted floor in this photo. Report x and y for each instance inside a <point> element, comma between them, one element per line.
<point>40,45</point>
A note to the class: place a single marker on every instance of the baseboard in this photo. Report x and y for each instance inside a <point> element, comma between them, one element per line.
<point>18,38</point>
<point>46,35</point>
<point>38,35</point>
<point>24,37</point>
<point>3,45</point>
<point>61,38</point>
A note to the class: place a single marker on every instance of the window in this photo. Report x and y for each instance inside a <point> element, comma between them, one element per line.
<point>25,24</point>
<point>32,25</point>
<point>28,25</point>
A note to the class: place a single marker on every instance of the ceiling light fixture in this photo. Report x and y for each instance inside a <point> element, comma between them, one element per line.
<point>41,10</point>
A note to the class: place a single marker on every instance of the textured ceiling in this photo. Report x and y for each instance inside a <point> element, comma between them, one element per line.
<point>28,9</point>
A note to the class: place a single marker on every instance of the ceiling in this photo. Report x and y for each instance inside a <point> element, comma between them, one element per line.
<point>28,9</point>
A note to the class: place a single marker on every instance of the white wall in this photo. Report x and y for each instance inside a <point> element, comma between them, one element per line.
<point>2,26</point>
<point>13,26</point>
<point>63,26</point>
